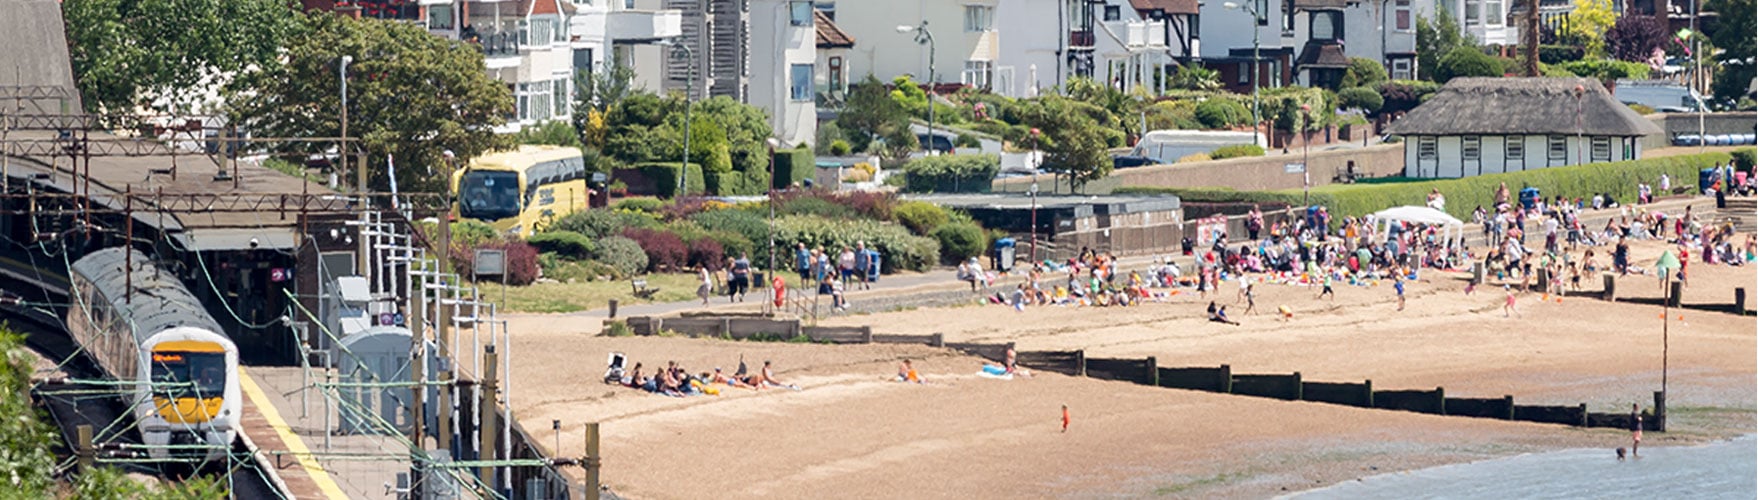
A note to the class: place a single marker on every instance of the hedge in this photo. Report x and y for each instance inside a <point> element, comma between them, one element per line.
<point>1466,194</point>
<point>665,178</point>
<point>1236,151</point>
<point>569,244</point>
<point>793,165</point>
<point>1743,158</point>
<point>952,173</point>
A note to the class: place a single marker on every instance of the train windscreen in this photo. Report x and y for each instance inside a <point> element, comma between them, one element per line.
<point>207,371</point>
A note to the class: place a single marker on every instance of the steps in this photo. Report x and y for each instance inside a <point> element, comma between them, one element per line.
<point>1743,211</point>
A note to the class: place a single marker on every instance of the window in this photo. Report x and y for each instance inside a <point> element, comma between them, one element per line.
<point>1401,15</point>
<point>1327,25</point>
<point>1113,13</point>
<point>563,87</point>
<point>1263,12</point>
<point>1515,147</point>
<point>978,18</point>
<point>583,60</point>
<point>1401,69</point>
<point>977,74</point>
<point>523,101</point>
<point>1492,12</point>
<point>802,82</point>
<point>800,13</point>
<point>1425,148</point>
<point>629,4</point>
<point>1558,146</point>
<point>1473,12</point>
<point>439,17</point>
<point>835,64</point>
<point>1244,72</point>
<point>545,31</point>
<point>1471,147</point>
<point>561,30</point>
<point>1602,149</point>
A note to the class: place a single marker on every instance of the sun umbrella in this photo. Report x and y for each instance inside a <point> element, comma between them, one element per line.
<point>1667,263</point>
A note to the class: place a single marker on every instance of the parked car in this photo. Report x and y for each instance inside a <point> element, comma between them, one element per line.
<point>942,143</point>
<point>1121,162</point>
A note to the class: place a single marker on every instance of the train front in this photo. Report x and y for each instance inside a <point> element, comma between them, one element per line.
<point>195,397</point>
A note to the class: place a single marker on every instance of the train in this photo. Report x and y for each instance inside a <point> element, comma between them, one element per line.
<point>183,369</point>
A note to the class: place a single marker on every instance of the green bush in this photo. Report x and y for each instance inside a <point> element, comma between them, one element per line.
<point>1606,70</point>
<point>1236,151</point>
<point>1222,113</point>
<point>839,147</point>
<point>898,249</point>
<point>640,204</point>
<point>472,232</point>
<point>920,216</point>
<point>792,166</point>
<point>966,141</point>
<point>598,224</point>
<point>1466,61</point>
<point>952,173</point>
<point>622,254</point>
<point>740,230</point>
<point>1463,195</point>
<point>568,244</point>
<point>815,206</point>
<point>1361,98</point>
<point>1743,158</point>
<point>959,241</point>
<point>1363,72</point>
<point>665,178</point>
<point>732,184</point>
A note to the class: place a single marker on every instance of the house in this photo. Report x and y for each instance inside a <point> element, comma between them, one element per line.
<point>625,33</point>
<point>1385,30</point>
<point>1124,43</point>
<point>783,54</point>
<point>966,44</point>
<point>1228,43</point>
<point>831,75</point>
<point>1476,126</point>
<point>1322,62</point>
<point>525,44</point>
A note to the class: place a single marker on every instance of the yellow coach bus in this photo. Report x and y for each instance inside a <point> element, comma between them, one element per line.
<point>520,191</point>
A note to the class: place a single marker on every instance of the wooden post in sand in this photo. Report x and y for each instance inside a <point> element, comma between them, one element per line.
<point>1678,289</point>
<point>1152,377</point>
<point>1367,393</point>
<point>1226,379</point>
<point>1080,363</point>
<point>1660,411</point>
<point>593,461</point>
<point>1508,402</point>
<point>1611,287</point>
<point>1440,400</point>
<point>1740,301</point>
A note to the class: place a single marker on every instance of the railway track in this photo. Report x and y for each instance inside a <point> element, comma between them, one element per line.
<point>71,405</point>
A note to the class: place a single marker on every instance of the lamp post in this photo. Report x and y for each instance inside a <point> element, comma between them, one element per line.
<point>689,89</point>
<point>773,143</point>
<point>1256,69</point>
<point>1305,147</point>
<point>1579,90</point>
<point>924,37</point>
<point>1034,191</point>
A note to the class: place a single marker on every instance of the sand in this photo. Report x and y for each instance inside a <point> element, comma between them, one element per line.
<point>850,433</point>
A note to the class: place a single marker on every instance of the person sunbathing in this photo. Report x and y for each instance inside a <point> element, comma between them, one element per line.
<point>720,378</point>
<point>766,378</point>
<point>1220,316</point>
<point>907,372</point>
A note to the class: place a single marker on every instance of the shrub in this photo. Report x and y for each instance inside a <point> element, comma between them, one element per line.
<point>1466,61</point>
<point>706,252</point>
<point>959,241</point>
<point>1236,151</point>
<point>1743,158</point>
<point>952,173</point>
<point>791,166</point>
<point>597,224</point>
<point>521,260</point>
<point>966,141</point>
<point>1404,95</point>
<point>839,147</point>
<point>1194,157</point>
<point>665,251</point>
<point>622,254</point>
<point>813,205</point>
<point>1222,113</point>
<point>640,204</point>
<point>1363,72</point>
<point>919,216</point>
<point>568,244</point>
<point>664,178</point>
<point>1606,69</point>
<point>471,232</point>
<point>1361,98</point>
<point>897,248</point>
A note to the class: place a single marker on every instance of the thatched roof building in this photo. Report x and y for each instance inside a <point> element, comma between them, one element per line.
<point>1476,126</point>
<point>1527,106</point>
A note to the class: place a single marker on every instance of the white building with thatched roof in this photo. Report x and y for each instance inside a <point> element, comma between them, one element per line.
<point>1477,126</point>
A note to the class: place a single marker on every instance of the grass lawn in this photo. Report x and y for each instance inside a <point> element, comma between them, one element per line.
<point>584,295</point>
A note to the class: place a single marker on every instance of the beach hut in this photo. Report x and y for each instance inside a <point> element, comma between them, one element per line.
<point>1477,126</point>
<point>1453,228</point>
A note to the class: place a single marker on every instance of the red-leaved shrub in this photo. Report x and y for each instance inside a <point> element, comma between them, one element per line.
<point>665,251</point>
<point>707,252</point>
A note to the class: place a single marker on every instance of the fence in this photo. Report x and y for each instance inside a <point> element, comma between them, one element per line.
<point>1146,371</point>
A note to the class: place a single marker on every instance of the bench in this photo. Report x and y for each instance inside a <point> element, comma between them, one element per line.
<point>641,289</point>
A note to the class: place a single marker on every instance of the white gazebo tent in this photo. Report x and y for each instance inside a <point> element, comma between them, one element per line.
<point>1453,230</point>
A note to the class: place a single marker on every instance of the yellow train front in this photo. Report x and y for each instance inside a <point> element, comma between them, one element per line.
<point>185,397</point>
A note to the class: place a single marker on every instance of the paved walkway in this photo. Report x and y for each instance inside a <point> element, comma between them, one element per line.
<point>944,279</point>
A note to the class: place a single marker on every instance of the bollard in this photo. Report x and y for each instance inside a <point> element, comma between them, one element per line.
<point>1740,301</point>
<point>613,308</point>
<point>1611,287</point>
<point>1367,393</point>
<point>1675,290</point>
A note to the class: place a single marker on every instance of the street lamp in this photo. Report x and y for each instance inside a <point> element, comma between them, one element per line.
<point>1579,90</point>
<point>1305,147</point>
<point>773,143</point>
<point>342,147</point>
<point>1256,105</point>
<point>923,36</point>
<point>1034,191</point>
<point>689,88</point>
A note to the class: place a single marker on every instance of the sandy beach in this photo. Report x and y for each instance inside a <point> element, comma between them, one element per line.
<point>850,433</point>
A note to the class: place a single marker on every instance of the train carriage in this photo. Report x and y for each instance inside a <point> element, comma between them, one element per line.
<point>160,337</point>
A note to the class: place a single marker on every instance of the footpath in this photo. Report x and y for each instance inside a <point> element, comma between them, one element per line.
<point>941,287</point>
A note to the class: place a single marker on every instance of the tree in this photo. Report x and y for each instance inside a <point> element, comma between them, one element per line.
<point>1587,26</point>
<point>1635,37</point>
<point>166,55</point>
<point>410,94</point>
<point>1363,72</point>
<point>1362,98</point>
<point>1466,61</point>
<point>1191,77</point>
<point>869,109</point>
<point>1733,34</point>
<point>1436,40</point>
<point>1070,140</point>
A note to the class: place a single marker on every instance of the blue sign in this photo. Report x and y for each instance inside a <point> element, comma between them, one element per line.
<point>397,319</point>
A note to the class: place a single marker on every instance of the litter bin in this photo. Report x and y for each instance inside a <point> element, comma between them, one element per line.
<point>1004,248</point>
<point>1705,179</point>
<point>1529,197</point>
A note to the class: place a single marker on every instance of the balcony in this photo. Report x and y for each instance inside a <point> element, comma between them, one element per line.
<point>643,25</point>
<point>1080,39</point>
<point>1138,34</point>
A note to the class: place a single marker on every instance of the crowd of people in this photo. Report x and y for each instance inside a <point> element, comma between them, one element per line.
<point>676,381</point>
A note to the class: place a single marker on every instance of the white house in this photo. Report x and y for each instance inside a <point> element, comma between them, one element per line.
<point>1385,30</point>
<point>1476,126</point>
<point>627,33</point>
<point>1126,43</point>
<point>966,40</point>
<point>831,73</point>
<point>525,44</point>
<point>784,38</point>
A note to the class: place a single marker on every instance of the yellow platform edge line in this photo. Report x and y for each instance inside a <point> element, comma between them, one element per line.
<point>294,444</point>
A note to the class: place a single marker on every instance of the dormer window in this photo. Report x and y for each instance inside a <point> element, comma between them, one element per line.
<point>1327,25</point>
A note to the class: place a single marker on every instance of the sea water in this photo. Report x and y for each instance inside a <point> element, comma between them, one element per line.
<point>1724,469</point>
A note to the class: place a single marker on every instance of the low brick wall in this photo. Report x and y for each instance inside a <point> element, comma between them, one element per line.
<point>1258,173</point>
